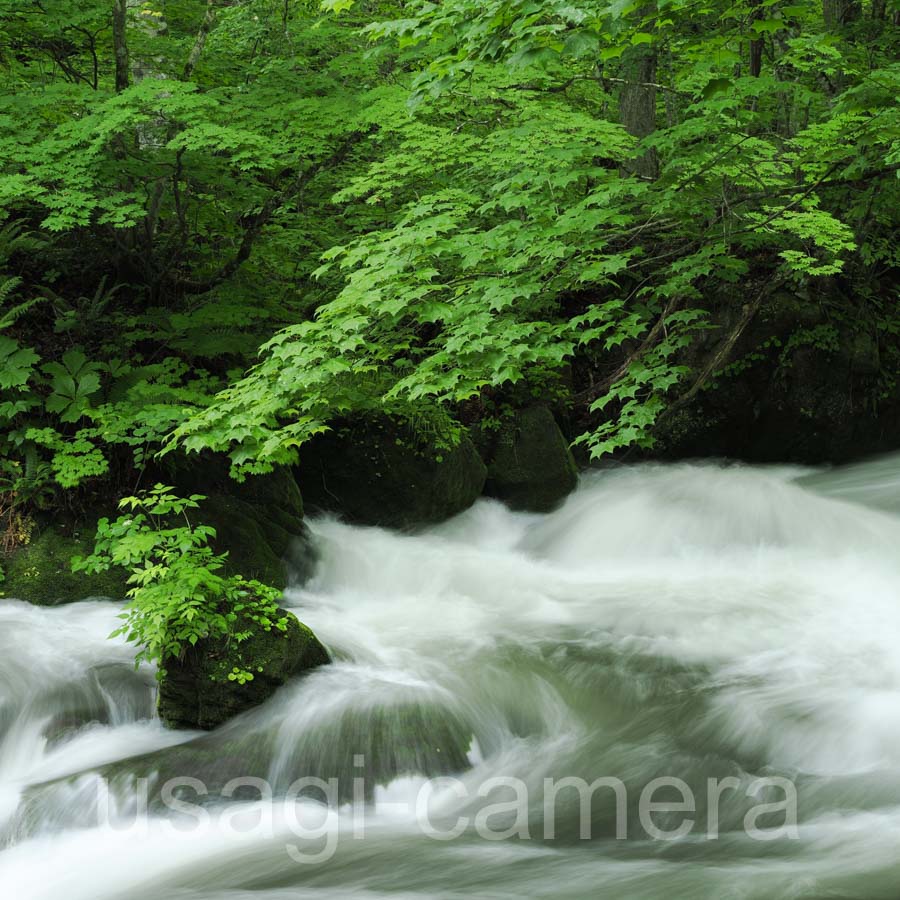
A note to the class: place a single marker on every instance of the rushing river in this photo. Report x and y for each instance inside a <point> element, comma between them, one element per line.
<point>724,629</point>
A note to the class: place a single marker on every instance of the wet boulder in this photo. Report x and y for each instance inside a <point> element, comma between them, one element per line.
<point>204,689</point>
<point>375,470</point>
<point>529,464</point>
<point>260,525</point>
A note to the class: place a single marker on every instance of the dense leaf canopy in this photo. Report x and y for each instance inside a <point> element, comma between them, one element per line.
<point>226,224</point>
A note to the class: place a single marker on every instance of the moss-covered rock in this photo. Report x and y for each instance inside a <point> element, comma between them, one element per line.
<point>259,522</point>
<point>376,471</point>
<point>529,464</point>
<point>195,692</point>
<point>40,571</point>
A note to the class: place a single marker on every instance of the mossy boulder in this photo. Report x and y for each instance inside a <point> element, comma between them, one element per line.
<point>259,521</point>
<point>195,692</point>
<point>40,571</point>
<point>374,470</point>
<point>529,464</point>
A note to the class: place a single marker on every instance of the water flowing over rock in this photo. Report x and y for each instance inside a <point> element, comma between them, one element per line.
<point>680,621</point>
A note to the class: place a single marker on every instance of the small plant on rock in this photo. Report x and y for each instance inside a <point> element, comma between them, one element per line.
<point>179,594</point>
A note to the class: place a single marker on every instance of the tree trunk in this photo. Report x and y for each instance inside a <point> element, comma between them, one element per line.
<point>756,44</point>
<point>200,41</point>
<point>120,43</point>
<point>756,50</point>
<point>637,103</point>
<point>840,13</point>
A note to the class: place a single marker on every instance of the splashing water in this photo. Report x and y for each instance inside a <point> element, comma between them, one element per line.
<point>695,623</point>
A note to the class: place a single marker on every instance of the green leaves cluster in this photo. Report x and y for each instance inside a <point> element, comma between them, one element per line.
<point>179,595</point>
<point>514,190</point>
<point>415,209</point>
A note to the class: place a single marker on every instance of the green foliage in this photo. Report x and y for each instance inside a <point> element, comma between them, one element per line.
<point>640,392</point>
<point>415,209</point>
<point>823,338</point>
<point>178,595</point>
<point>514,186</point>
<point>72,383</point>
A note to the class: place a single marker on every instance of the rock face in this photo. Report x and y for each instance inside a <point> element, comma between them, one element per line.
<point>529,464</point>
<point>374,471</point>
<point>40,571</point>
<point>259,522</point>
<point>797,385</point>
<point>195,692</point>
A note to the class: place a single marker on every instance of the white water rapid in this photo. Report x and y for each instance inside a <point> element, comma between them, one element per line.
<point>697,623</point>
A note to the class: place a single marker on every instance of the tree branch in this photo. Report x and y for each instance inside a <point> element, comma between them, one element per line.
<point>255,223</point>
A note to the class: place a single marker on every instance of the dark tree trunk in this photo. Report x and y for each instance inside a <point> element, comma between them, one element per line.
<point>637,103</point>
<point>120,43</point>
<point>756,44</point>
<point>840,13</point>
<point>756,51</point>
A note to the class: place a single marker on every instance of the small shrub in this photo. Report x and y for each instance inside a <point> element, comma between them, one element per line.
<point>179,595</point>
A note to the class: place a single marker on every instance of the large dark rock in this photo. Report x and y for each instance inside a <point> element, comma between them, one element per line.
<point>529,464</point>
<point>40,570</point>
<point>259,521</point>
<point>195,692</point>
<point>376,471</point>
